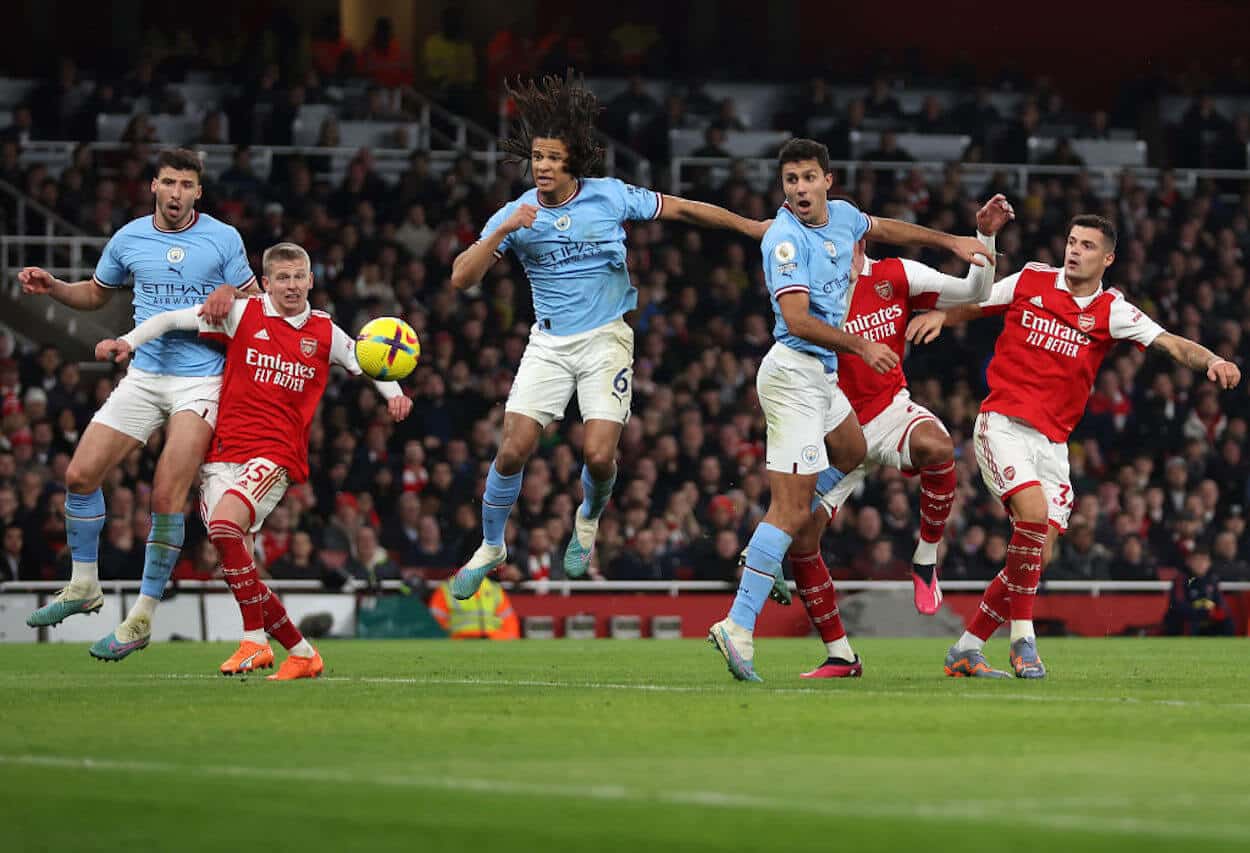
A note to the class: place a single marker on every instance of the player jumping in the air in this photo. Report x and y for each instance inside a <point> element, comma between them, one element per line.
<point>567,233</point>
<point>1058,325</point>
<point>811,428</point>
<point>177,258</point>
<point>278,357</point>
<point>900,433</point>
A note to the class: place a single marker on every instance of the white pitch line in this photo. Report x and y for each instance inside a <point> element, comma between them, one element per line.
<point>950,811</point>
<point>957,692</point>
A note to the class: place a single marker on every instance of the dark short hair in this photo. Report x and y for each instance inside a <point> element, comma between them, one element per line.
<point>181,160</point>
<point>798,150</point>
<point>1101,223</point>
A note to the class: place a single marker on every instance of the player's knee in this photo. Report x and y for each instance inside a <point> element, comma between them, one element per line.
<point>509,460</point>
<point>931,448</point>
<point>80,479</point>
<point>166,499</point>
<point>601,461</point>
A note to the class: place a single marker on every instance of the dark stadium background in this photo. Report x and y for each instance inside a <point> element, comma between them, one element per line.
<point>1160,462</point>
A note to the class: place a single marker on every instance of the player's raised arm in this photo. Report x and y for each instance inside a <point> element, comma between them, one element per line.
<point>906,234</point>
<point>1197,357</point>
<point>87,295</point>
<point>676,208</point>
<point>471,264</point>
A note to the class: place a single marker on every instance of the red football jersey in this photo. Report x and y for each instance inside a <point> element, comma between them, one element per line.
<point>881,304</point>
<point>1046,359</point>
<point>276,371</point>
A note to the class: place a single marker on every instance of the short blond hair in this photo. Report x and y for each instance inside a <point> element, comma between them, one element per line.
<point>284,252</point>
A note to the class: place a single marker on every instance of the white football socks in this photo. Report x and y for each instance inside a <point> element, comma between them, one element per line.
<point>926,553</point>
<point>145,606</point>
<point>85,574</point>
<point>303,649</point>
<point>969,642</point>
<point>257,636</point>
<point>841,648</point>
<point>1021,628</point>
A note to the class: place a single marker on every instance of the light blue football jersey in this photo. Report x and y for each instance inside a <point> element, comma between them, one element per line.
<point>814,260</point>
<point>172,270</point>
<point>574,254</point>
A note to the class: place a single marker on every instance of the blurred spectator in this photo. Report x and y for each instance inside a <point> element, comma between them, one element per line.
<point>371,565</point>
<point>121,552</point>
<point>13,562</point>
<point>1133,563</point>
<point>1080,558</point>
<point>300,562</point>
<point>449,62</point>
<point>1196,605</point>
<point>640,560</point>
<point>488,615</point>
<point>198,563</point>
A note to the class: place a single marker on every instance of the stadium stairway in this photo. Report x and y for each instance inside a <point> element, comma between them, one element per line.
<point>36,236</point>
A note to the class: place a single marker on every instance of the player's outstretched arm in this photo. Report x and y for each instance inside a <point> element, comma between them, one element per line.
<point>676,208</point>
<point>86,295</point>
<point>906,234</point>
<point>1197,357</point>
<point>801,323</point>
<point>117,350</point>
<point>925,328</point>
<point>471,264</point>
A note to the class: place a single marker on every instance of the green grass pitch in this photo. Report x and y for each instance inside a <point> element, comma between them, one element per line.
<point>1140,745</point>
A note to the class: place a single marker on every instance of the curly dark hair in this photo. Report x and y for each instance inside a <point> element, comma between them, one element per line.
<point>557,109</point>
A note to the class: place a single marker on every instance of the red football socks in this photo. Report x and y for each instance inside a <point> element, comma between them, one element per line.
<point>240,572</point>
<point>811,576</point>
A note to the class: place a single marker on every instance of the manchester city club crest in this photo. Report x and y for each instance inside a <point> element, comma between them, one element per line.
<point>307,346</point>
<point>810,454</point>
<point>884,289</point>
<point>563,223</point>
<point>1086,322</point>
<point>831,249</point>
<point>175,254</point>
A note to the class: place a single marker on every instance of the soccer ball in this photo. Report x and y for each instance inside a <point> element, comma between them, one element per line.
<point>387,348</point>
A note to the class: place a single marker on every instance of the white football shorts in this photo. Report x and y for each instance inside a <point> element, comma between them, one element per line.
<point>802,404</point>
<point>144,401</point>
<point>597,364</point>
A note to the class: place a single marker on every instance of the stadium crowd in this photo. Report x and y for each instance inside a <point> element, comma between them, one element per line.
<point>1160,462</point>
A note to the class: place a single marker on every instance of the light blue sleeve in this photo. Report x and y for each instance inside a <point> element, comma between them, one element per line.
<point>638,203</point>
<point>110,271</point>
<point>235,267</point>
<point>785,264</point>
<point>498,219</point>
<point>852,215</point>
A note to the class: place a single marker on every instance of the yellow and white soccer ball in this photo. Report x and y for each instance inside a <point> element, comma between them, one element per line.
<point>387,348</point>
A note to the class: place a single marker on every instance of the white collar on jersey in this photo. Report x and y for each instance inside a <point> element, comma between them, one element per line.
<point>297,321</point>
<point>1061,282</point>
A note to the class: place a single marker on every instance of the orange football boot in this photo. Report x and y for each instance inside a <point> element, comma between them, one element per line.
<point>249,658</point>
<point>297,667</point>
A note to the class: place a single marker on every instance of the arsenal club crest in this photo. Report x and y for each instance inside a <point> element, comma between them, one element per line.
<point>308,347</point>
<point>1086,322</point>
<point>884,289</point>
<point>1009,472</point>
